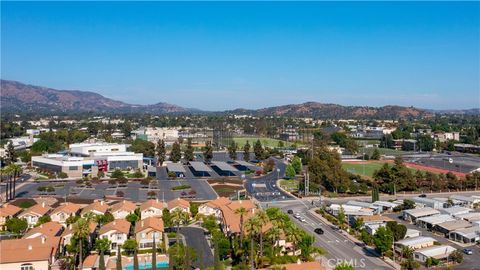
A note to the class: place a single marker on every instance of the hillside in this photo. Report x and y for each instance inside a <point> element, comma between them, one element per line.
<point>19,97</point>
<point>335,111</point>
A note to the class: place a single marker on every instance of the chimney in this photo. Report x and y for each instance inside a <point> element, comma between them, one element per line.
<point>143,223</point>
<point>299,262</point>
<point>114,222</point>
<point>43,204</point>
<point>156,200</point>
<point>30,247</point>
<point>101,202</point>
<point>44,238</point>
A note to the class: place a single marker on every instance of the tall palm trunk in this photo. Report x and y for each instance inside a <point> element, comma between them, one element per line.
<point>14,183</point>
<point>11,187</point>
<point>7,198</point>
<point>252,256</point>
<point>80,254</point>
<point>261,244</point>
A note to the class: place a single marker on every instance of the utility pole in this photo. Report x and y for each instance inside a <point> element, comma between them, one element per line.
<point>307,184</point>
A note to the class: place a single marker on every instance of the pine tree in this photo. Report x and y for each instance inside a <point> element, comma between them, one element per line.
<point>161,152</point>
<point>208,152</point>
<point>189,151</point>
<point>232,150</point>
<point>375,194</point>
<point>175,154</point>
<point>375,154</point>
<point>258,150</point>
<point>246,152</point>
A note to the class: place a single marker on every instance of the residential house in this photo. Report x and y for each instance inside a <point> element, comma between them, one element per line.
<point>96,208</point>
<point>430,221</point>
<point>68,234</point>
<point>414,243</point>
<point>64,211</point>
<point>29,254</point>
<point>151,208</point>
<point>8,211</point>
<point>148,229</point>
<point>116,231</point>
<point>33,213</point>
<point>214,207</point>
<point>468,235</point>
<point>49,229</point>
<point>178,204</point>
<point>440,252</point>
<point>413,214</point>
<point>122,209</point>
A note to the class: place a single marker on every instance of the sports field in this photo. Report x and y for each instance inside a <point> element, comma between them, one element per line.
<point>368,168</point>
<point>269,142</point>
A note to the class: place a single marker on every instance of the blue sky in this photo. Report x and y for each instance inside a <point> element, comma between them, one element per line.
<point>228,55</point>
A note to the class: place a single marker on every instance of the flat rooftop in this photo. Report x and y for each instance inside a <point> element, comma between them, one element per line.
<point>200,166</point>
<point>416,241</point>
<point>437,219</point>
<point>224,166</point>
<point>176,167</point>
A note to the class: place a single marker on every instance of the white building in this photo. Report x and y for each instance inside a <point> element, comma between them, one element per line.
<point>153,134</point>
<point>116,231</point>
<point>440,252</point>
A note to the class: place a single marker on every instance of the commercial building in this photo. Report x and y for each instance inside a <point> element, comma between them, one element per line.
<point>88,159</point>
<point>153,134</point>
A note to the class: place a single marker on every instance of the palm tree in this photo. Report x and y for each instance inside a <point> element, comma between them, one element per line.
<point>81,230</point>
<point>16,171</point>
<point>135,260</point>
<point>179,217</point>
<point>253,226</point>
<point>263,219</point>
<point>5,171</point>
<point>119,259</point>
<point>294,235</point>
<point>274,233</point>
<point>101,262</point>
<point>241,211</point>
<point>154,254</point>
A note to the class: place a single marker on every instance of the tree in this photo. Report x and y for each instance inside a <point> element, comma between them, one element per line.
<point>154,254</point>
<point>188,155</point>
<point>208,152</point>
<point>161,152</point>
<point>344,266</point>
<point>102,245</point>
<point>132,218</point>
<point>375,154</point>
<point>62,175</point>
<point>246,151</point>
<point>11,154</point>
<point>232,150</point>
<point>457,256</point>
<point>375,194</point>
<point>216,258</point>
<point>119,259</point>
<point>141,146</point>
<point>117,174</point>
<point>135,261</point>
<point>175,154</point>
<point>101,261</point>
<point>167,218</point>
<point>398,230</point>
<point>386,141</point>
<point>297,164</point>
<point>258,150</point>
<point>130,245</point>
<point>42,220</point>
<point>341,216</point>
<point>16,225</point>
<point>289,171</point>
<point>81,230</point>
<point>383,239</point>
<point>242,212</point>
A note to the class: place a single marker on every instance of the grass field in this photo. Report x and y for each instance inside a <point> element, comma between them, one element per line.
<point>241,141</point>
<point>383,151</point>
<point>370,168</point>
<point>289,185</point>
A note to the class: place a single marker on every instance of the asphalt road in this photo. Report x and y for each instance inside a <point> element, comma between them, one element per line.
<point>265,188</point>
<point>195,238</point>
<point>339,248</point>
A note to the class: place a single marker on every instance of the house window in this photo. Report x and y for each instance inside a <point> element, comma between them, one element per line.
<point>143,235</point>
<point>119,237</point>
<point>26,266</point>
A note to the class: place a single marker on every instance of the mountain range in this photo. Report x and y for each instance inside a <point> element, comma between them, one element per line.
<point>17,97</point>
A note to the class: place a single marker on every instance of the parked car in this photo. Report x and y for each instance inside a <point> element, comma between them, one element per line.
<point>422,195</point>
<point>318,231</point>
<point>290,211</point>
<point>468,251</point>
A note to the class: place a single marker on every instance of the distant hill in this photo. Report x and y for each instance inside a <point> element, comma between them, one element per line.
<point>474,111</point>
<point>335,111</point>
<point>19,97</point>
